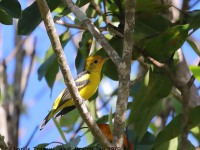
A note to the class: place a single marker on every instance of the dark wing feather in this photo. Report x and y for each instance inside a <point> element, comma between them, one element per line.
<point>65,110</point>
<point>66,95</point>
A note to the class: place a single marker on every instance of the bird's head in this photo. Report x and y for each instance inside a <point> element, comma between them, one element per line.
<point>95,63</point>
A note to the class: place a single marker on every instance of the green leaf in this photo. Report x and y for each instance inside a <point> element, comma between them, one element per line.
<point>92,108</point>
<point>194,46</point>
<point>62,147</point>
<point>62,10</point>
<point>145,143</point>
<point>43,145</point>
<point>148,24</point>
<point>173,144</point>
<point>69,119</point>
<point>150,6</point>
<point>49,68</point>
<point>11,7</point>
<point>193,18</point>
<point>5,18</point>
<point>31,17</point>
<point>196,71</point>
<point>109,68</point>
<point>163,46</point>
<point>196,132</point>
<point>155,86</point>
<point>173,129</point>
<point>110,117</point>
<point>91,12</point>
<point>83,51</point>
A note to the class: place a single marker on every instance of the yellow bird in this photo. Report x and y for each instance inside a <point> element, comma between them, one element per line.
<point>87,83</point>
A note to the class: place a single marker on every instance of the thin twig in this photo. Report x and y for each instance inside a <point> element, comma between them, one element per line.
<point>77,26</point>
<point>76,131</point>
<point>96,7</point>
<point>31,137</point>
<point>194,4</point>
<point>69,81</point>
<point>106,18</point>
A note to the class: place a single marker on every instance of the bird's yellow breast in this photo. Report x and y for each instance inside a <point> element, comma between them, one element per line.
<point>89,90</point>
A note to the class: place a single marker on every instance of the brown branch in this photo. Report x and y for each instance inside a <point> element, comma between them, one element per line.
<point>96,7</point>
<point>69,81</point>
<point>94,31</point>
<point>106,18</point>
<point>124,74</point>
<point>77,26</point>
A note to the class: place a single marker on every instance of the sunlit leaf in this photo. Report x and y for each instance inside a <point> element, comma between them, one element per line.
<point>196,71</point>
<point>110,117</point>
<point>62,10</point>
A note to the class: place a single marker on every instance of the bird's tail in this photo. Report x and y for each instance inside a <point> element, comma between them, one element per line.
<point>46,119</point>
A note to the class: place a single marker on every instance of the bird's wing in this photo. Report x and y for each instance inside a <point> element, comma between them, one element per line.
<point>81,81</point>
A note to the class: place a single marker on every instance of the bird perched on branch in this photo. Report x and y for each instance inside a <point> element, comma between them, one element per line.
<point>87,83</point>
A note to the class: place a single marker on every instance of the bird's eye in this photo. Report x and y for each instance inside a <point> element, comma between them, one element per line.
<point>96,61</point>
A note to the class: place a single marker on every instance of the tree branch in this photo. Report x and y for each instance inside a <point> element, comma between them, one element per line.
<point>77,26</point>
<point>94,31</point>
<point>80,105</point>
<point>124,74</point>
